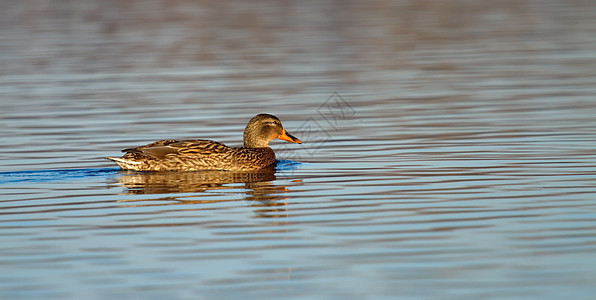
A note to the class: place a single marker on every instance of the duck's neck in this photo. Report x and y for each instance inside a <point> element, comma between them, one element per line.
<point>251,141</point>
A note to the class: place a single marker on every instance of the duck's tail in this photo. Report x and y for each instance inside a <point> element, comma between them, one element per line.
<point>125,164</point>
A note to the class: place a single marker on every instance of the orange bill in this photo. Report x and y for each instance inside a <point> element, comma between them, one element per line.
<point>290,138</point>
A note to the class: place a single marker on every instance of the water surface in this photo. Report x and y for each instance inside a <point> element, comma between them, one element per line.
<point>449,150</point>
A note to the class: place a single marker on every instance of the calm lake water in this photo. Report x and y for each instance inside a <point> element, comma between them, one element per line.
<point>449,149</point>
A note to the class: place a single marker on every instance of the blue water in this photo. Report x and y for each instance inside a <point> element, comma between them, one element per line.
<point>38,176</point>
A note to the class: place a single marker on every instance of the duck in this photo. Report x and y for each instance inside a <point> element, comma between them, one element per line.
<point>200,155</point>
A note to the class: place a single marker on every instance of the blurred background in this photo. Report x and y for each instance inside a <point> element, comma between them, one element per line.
<point>449,148</point>
<point>114,68</point>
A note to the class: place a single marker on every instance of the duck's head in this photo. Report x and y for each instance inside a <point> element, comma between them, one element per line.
<point>262,129</point>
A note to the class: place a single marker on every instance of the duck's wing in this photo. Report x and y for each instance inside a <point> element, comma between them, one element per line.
<point>161,149</point>
<point>201,148</point>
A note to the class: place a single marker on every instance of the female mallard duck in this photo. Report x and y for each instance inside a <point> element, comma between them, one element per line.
<point>195,155</point>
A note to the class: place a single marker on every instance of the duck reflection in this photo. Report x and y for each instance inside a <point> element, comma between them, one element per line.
<point>189,182</point>
<point>259,191</point>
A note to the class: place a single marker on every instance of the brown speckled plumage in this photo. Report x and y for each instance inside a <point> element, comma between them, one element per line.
<point>195,155</point>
